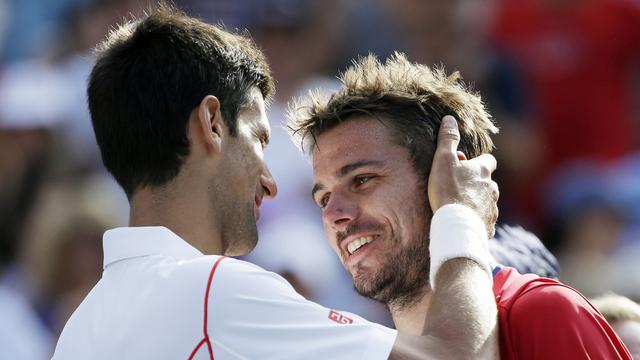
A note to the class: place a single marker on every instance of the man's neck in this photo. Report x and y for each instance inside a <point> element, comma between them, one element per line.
<point>410,319</point>
<point>184,213</point>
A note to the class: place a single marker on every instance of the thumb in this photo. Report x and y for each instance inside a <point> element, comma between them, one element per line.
<point>448,138</point>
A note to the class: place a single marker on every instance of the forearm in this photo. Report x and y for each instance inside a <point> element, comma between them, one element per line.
<point>463,310</point>
<point>462,319</point>
<point>463,314</point>
<point>461,322</point>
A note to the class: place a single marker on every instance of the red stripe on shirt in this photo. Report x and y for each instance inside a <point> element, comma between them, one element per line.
<point>205,339</point>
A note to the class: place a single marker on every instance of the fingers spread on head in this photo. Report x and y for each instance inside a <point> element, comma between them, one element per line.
<point>487,164</point>
<point>495,191</point>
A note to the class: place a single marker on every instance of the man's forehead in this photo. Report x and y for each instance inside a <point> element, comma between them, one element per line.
<point>339,160</point>
<point>255,100</point>
<point>255,107</point>
<point>361,133</point>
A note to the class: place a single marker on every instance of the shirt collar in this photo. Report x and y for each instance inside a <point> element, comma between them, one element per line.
<point>128,242</point>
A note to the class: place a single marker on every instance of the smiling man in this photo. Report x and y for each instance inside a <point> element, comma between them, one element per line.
<point>372,144</point>
<point>362,178</point>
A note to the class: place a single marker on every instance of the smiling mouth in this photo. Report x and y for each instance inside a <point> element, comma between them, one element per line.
<point>358,243</point>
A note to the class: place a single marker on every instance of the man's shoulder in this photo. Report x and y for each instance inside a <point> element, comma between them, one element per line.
<point>545,318</point>
<point>541,305</point>
<point>228,272</point>
<point>532,292</point>
<point>552,300</point>
<point>208,261</point>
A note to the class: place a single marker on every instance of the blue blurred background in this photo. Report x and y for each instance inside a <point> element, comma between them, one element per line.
<point>560,77</point>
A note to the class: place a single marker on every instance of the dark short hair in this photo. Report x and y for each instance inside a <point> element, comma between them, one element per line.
<point>150,74</point>
<point>409,98</point>
<point>518,248</point>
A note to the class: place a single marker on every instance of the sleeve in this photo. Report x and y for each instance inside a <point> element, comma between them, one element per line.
<point>256,314</point>
<point>556,322</point>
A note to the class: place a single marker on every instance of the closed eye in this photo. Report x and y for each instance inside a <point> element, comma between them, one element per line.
<point>264,140</point>
<point>262,135</point>
<point>322,201</point>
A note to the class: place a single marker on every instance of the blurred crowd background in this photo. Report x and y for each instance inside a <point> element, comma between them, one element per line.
<point>560,77</point>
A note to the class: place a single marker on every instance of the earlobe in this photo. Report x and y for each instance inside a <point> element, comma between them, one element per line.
<point>210,120</point>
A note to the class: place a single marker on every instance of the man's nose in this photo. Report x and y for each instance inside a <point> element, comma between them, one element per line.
<point>340,211</point>
<point>268,184</point>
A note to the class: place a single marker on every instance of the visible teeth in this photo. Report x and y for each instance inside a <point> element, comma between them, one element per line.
<point>357,244</point>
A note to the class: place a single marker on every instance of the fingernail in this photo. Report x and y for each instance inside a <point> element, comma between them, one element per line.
<point>448,121</point>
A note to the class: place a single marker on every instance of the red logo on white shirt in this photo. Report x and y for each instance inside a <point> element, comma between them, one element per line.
<point>339,318</point>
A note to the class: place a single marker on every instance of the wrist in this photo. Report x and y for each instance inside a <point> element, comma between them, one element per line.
<point>457,232</point>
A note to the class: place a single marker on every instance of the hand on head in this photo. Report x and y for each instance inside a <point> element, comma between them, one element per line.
<point>456,180</point>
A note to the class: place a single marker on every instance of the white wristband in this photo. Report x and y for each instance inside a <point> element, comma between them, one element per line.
<point>457,232</point>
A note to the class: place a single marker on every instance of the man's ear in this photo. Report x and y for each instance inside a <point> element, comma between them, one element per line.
<point>210,123</point>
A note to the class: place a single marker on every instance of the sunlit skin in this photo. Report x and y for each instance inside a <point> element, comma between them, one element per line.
<point>213,201</point>
<point>366,186</point>
<point>243,163</point>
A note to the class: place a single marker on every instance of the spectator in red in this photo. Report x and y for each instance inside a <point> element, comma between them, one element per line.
<point>576,59</point>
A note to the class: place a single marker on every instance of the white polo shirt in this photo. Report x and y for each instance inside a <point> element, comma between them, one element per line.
<point>160,298</point>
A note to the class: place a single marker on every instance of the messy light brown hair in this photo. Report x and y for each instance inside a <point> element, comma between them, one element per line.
<point>409,98</point>
<point>616,308</point>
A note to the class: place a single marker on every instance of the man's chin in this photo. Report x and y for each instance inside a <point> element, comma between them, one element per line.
<point>243,243</point>
<point>240,249</point>
<point>369,285</point>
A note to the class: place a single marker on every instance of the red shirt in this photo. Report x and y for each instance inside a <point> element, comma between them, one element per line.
<point>542,318</point>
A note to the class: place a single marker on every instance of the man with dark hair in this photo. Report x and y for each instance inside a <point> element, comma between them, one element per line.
<point>371,143</point>
<point>178,111</point>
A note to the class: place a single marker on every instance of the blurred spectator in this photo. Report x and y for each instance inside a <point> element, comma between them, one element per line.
<point>45,138</point>
<point>53,88</point>
<point>596,226</point>
<point>23,159</point>
<point>515,247</point>
<point>624,316</point>
<point>29,28</point>
<point>65,241</point>
<point>576,60</point>
<point>24,147</point>
<point>448,32</point>
<point>22,335</point>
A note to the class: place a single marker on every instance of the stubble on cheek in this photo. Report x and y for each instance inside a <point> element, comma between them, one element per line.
<point>397,274</point>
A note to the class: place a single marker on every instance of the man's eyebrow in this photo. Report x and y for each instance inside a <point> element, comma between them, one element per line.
<point>345,170</point>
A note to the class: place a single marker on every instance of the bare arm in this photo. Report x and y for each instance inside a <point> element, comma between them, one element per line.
<point>462,318</point>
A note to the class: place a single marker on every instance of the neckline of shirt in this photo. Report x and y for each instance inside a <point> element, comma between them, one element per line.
<point>129,242</point>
